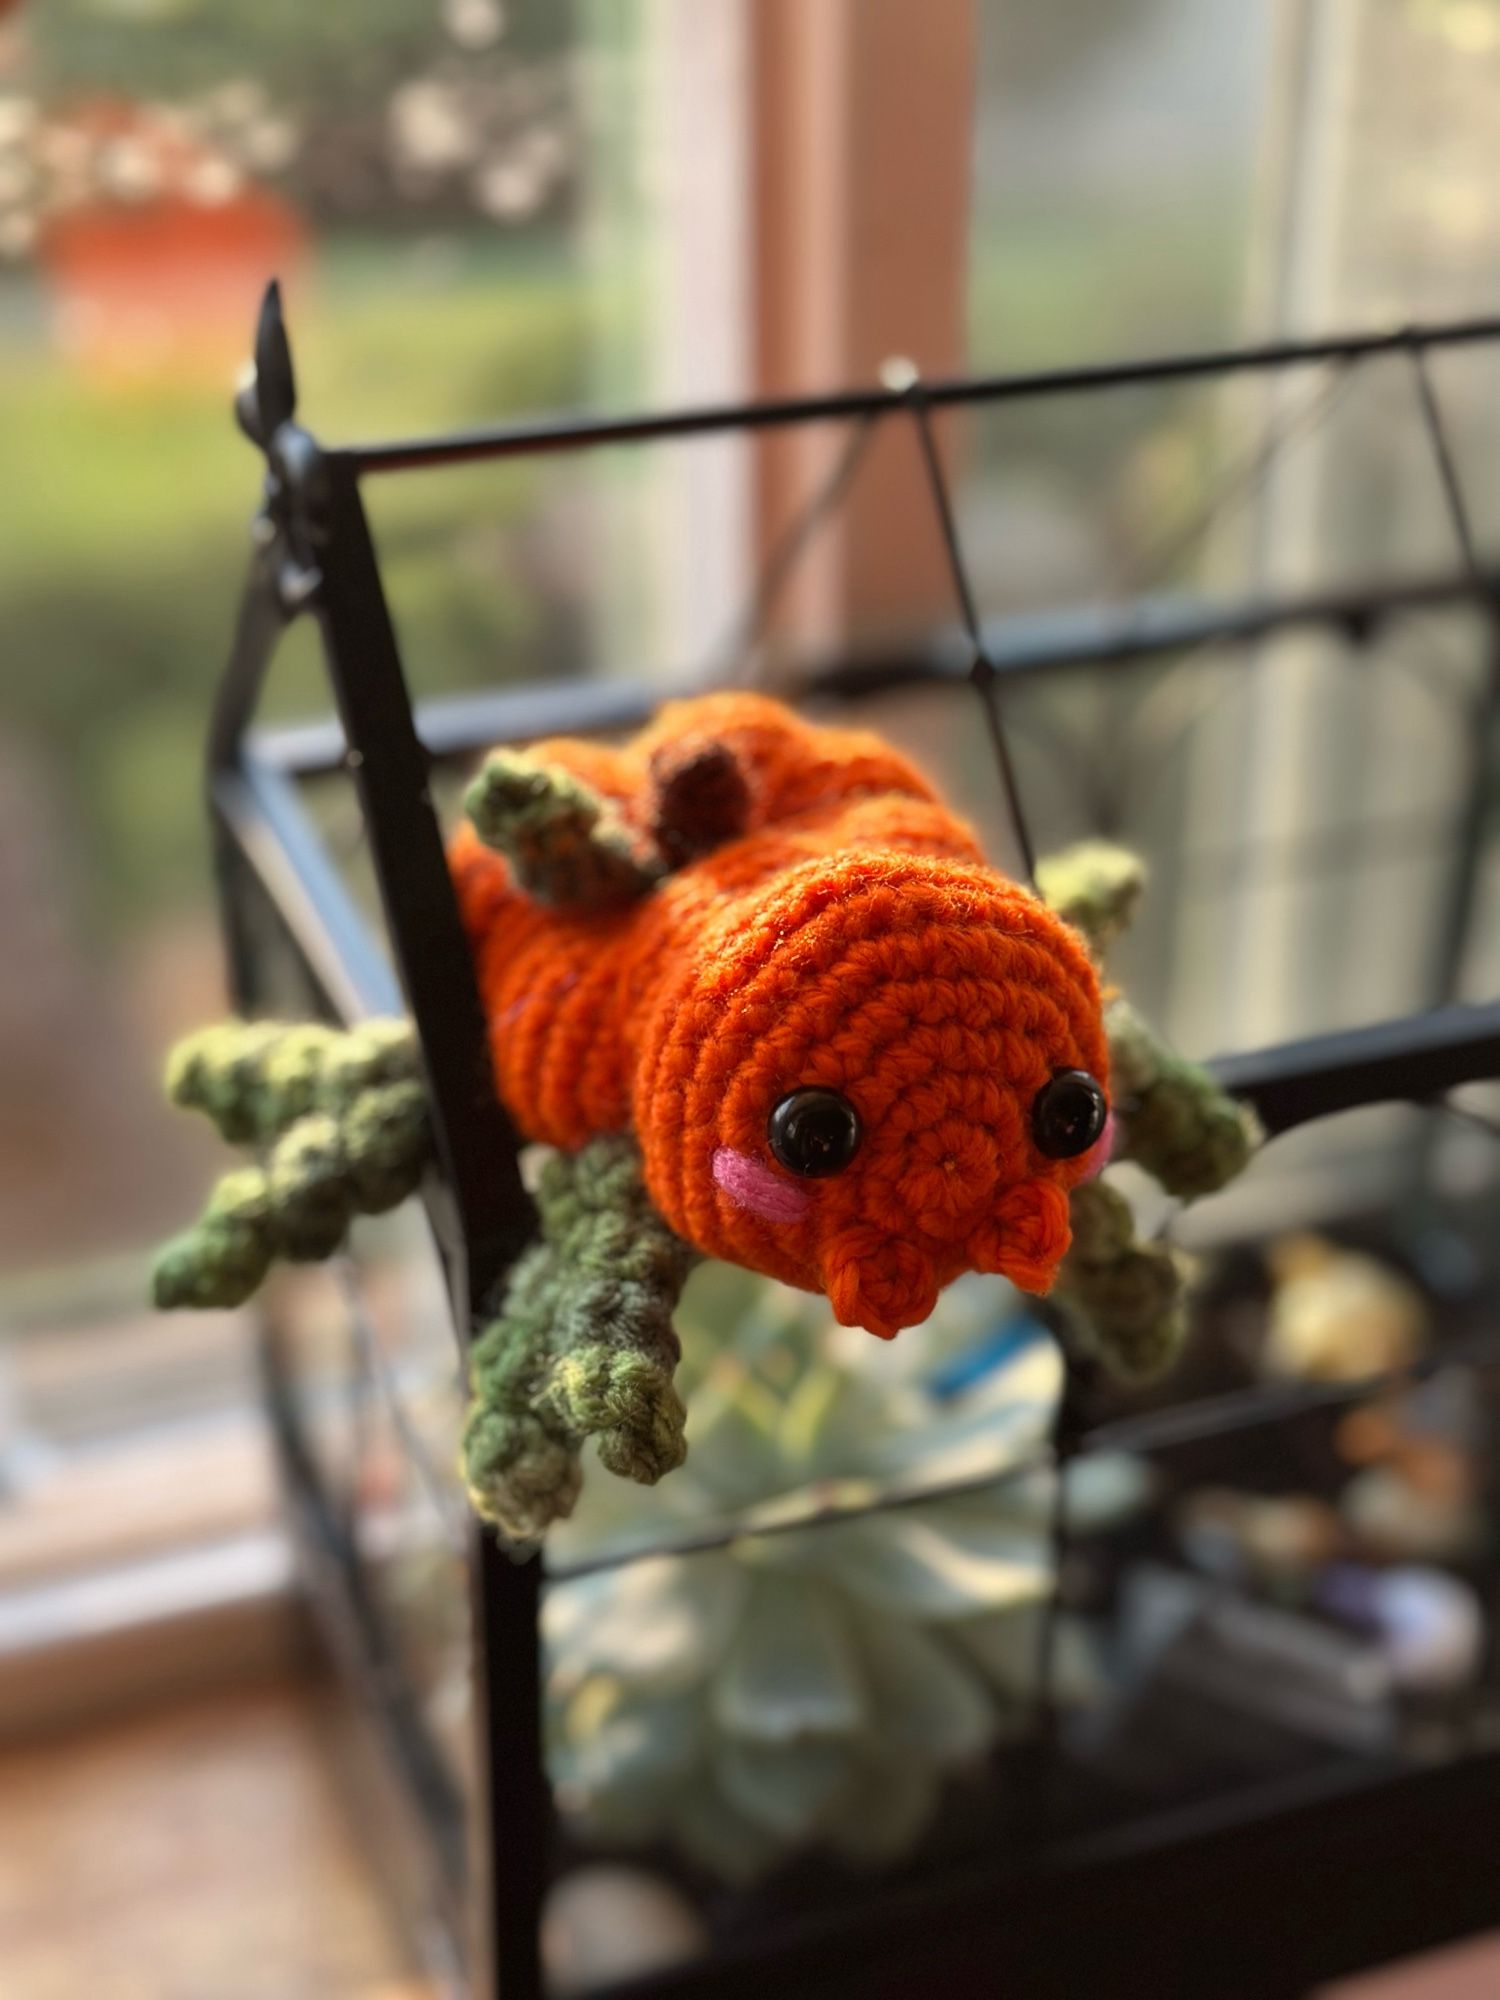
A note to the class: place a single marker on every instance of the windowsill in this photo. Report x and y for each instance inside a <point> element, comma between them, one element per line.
<point>108,1640</point>
<point>141,1548</point>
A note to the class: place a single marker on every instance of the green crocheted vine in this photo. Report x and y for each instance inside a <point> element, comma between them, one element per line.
<point>341,1121</point>
<point>1178,1124</point>
<point>581,1343</point>
<point>564,845</point>
<point>582,1346</point>
<point>1125,1299</point>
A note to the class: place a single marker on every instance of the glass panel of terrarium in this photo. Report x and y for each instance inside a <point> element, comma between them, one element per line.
<point>791,1721</point>
<point>409,1517</point>
<point>794,1420</point>
<point>1310,1595</point>
<point>1310,1586</point>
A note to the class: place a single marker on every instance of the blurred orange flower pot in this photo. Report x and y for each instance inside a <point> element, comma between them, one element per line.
<point>158,254</point>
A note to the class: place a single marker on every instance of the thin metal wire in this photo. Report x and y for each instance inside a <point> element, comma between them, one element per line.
<point>554,434</point>
<point>1442,452</point>
<point>1467,1115</point>
<point>368,1350</point>
<point>1242,481</point>
<point>1120,756</point>
<point>1441,676</point>
<point>789,549</point>
<point>1211,1417</point>
<point>1067,1422</point>
<point>819,1512</point>
<point>1205,1418</point>
<point>982,671</point>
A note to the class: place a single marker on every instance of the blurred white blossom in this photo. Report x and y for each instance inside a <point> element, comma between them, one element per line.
<point>474,24</point>
<point>432,127</point>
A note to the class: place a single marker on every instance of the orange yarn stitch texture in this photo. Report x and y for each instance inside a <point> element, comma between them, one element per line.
<point>852,937</point>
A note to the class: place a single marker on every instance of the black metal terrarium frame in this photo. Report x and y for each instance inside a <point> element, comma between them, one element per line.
<point>1203,1900</point>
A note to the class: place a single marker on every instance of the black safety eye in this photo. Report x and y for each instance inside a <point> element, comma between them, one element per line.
<point>1068,1115</point>
<point>814,1132</point>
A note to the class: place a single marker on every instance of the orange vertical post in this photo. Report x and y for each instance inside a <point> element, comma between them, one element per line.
<point>861,166</point>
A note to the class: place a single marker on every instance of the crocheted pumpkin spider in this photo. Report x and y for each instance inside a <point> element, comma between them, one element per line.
<point>759,990</point>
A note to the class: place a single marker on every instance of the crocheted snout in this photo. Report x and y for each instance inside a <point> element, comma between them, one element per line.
<point>934,1002</point>
<point>885,1282</point>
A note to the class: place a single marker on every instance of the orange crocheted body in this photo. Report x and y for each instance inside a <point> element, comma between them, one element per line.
<point>851,937</point>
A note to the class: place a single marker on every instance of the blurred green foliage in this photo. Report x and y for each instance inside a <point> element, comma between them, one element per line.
<point>319,58</point>
<point>121,562</point>
<point>1080,285</point>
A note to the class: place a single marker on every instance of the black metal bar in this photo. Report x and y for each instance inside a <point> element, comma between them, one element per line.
<point>564,434</point>
<point>475,1140</point>
<point>259,623</point>
<point>1393,1062</point>
<point>481,1212</point>
<point>1270,1892</point>
<point>513,1862</point>
<point>259,808</point>
<point>1106,636</point>
<point>459,726</point>
<point>452,727</point>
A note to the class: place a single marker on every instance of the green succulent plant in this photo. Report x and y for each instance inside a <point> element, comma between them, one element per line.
<point>818,1673</point>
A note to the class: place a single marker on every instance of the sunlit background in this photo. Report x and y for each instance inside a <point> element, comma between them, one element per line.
<point>488,208</point>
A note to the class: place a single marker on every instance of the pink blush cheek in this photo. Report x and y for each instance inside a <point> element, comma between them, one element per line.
<point>1103,1150</point>
<point>751,1185</point>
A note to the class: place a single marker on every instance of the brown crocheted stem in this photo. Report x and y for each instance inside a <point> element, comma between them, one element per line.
<point>700,799</point>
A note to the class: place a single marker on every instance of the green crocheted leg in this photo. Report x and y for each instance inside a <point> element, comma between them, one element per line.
<point>255,1078</point>
<point>1095,887</point>
<point>1125,1298</point>
<point>561,840</point>
<point>582,1347</point>
<point>1175,1121</point>
<point>343,1116</point>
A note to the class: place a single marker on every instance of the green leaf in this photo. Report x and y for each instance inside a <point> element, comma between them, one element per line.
<point>884,1812</point>
<point>929,1702</point>
<point>938,1559</point>
<point>619,1762</point>
<point>660,1623</point>
<point>1004,1421</point>
<point>717,1836</point>
<point>783,1789</point>
<point>790,1671</point>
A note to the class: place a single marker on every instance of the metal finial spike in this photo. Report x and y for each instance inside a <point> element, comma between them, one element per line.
<point>275,383</point>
